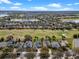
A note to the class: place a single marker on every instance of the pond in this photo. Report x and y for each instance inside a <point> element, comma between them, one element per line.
<point>24,20</point>
<point>2,15</point>
<point>75,21</point>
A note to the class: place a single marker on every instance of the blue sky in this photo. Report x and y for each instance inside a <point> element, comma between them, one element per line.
<point>40,5</point>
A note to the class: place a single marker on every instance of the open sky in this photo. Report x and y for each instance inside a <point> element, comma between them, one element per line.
<point>40,5</point>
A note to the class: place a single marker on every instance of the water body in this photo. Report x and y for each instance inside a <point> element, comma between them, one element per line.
<point>73,21</point>
<point>2,15</point>
<point>24,20</point>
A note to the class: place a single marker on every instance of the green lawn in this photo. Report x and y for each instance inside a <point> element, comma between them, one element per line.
<point>38,32</point>
<point>20,33</point>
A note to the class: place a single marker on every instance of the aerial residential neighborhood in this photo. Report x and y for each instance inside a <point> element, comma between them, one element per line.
<point>39,29</point>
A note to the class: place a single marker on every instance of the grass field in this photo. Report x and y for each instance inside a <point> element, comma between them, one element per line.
<point>20,33</point>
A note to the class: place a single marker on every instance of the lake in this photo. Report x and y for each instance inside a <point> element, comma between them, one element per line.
<point>74,21</point>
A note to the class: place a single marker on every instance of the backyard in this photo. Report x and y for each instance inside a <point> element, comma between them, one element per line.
<point>20,33</point>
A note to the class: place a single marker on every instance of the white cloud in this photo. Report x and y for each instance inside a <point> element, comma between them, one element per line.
<point>76,3</point>
<point>17,4</point>
<point>5,1</point>
<point>69,4</point>
<point>73,4</point>
<point>0,2</point>
<point>39,8</point>
<point>55,5</point>
<point>49,7</point>
<point>17,8</point>
<point>60,7</point>
<point>29,0</point>
<point>14,7</point>
<point>2,8</point>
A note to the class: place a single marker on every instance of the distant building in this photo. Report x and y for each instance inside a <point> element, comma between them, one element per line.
<point>55,44</point>
<point>28,44</point>
<point>76,43</point>
<point>37,44</point>
<point>3,44</point>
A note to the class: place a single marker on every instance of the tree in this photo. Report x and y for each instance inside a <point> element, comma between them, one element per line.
<point>27,37</point>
